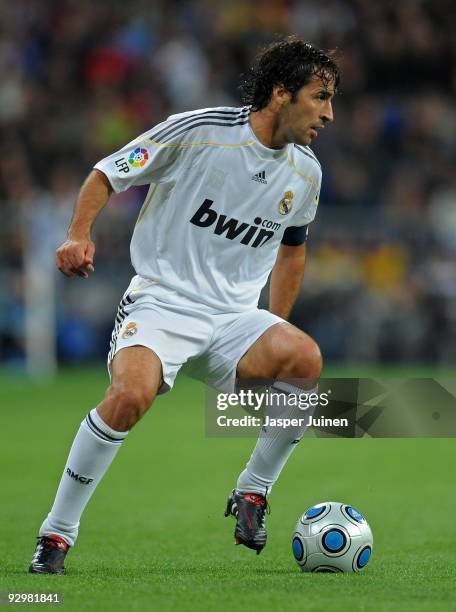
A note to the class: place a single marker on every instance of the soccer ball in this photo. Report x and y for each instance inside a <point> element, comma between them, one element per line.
<point>332,537</point>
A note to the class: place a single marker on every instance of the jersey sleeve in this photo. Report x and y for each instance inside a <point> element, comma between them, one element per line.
<point>143,161</point>
<point>308,208</point>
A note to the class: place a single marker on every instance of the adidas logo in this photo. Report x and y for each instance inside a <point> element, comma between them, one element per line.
<point>260,177</point>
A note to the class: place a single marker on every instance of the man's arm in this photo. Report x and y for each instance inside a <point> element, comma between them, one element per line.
<point>286,279</point>
<point>75,256</point>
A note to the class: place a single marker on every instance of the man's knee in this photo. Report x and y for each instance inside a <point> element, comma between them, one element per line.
<point>124,405</point>
<point>298,355</point>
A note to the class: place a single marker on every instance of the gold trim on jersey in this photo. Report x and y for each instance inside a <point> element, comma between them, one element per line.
<point>146,204</point>
<point>247,143</point>
<point>146,286</point>
<point>307,178</point>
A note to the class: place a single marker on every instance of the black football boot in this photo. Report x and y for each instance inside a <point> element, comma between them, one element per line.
<point>49,555</point>
<point>249,510</point>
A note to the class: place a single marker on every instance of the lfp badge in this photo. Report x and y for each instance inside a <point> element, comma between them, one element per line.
<point>138,158</point>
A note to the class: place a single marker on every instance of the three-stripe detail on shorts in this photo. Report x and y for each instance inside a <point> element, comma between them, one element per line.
<point>120,317</point>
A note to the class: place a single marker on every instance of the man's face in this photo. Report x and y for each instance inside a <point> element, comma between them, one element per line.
<point>312,109</point>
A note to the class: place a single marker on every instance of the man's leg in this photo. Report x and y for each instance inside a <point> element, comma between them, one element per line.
<point>136,378</point>
<point>283,352</point>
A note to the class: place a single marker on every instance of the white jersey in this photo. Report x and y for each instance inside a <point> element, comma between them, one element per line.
<point>218,204</point>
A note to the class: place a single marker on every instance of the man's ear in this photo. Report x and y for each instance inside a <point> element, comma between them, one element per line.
<point>281,96</point>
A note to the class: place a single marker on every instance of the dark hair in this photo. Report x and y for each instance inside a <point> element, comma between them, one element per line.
<point>290,62</point>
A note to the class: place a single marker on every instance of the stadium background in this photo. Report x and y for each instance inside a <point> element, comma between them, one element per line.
<point>79,80</point>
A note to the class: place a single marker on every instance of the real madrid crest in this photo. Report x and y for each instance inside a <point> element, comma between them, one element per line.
<point>130,330</point>
<point>286,203</point>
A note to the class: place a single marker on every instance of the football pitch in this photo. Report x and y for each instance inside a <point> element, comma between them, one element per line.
<point>154,537</point>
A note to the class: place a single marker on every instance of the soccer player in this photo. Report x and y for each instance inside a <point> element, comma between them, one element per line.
<point>232,192</point>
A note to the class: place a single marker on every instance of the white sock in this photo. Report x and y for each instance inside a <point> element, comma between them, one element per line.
<point>93,450</point>
<point>275,444</point>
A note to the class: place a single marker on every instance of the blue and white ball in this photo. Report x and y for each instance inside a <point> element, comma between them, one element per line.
<point>332,537</point>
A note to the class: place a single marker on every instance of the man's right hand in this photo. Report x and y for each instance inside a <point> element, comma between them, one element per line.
<point>75,257</point>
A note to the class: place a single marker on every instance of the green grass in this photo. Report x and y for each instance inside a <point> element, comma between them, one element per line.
<point>154,538</point>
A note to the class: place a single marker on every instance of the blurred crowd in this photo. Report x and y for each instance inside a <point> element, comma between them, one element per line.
<point>79,79</point>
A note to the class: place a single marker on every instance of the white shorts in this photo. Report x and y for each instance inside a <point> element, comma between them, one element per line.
<point>184,332</point>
